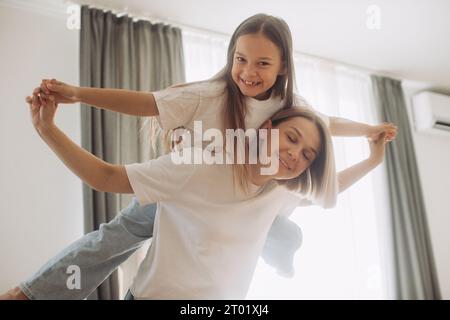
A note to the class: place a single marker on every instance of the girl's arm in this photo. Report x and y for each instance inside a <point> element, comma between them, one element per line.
<point>135,103</point>
<point>349,176</point>
<point>346,128</point>
<point>98,174</point>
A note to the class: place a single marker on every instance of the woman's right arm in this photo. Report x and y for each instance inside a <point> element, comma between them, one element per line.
<point>130,102</point>
<point>98,174</point>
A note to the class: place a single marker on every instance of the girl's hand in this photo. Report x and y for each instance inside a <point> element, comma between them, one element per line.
<point>42,112</point>
<point>58,91</point>
<point>377,148</point>
<point>389,129</point>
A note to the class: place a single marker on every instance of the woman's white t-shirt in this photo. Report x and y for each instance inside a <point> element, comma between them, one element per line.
<point>207,235</point>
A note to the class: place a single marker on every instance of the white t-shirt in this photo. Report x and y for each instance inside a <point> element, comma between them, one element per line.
<point>207,236</point>
<point>180,106</point>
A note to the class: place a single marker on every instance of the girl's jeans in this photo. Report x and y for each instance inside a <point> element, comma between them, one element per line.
<point>97,254</point>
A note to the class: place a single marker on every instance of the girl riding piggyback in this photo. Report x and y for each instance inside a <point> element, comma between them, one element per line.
<point>257,81</point>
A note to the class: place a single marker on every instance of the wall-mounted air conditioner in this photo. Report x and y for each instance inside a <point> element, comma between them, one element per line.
<point>431,112</point>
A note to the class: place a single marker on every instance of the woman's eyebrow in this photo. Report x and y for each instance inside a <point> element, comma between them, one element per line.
<point>301,135</point>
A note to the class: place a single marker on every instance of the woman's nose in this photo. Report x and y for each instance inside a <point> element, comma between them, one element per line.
<point>293,154</point>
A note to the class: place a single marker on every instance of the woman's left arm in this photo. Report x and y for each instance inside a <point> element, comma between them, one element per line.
<point>351,175</point>
<point>347,128</point>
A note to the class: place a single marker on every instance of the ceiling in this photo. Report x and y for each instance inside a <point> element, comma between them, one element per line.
<point>413,41</point>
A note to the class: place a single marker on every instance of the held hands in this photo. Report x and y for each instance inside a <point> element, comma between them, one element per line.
<point>378,137</point>
<point>45,99</point>
<point>388,128</point>
<point>42,111</point>
<point>377,148</point>
<point>56,91</point>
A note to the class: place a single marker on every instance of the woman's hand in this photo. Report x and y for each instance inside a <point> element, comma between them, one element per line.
<point>388,128</point>
<point>42,111</point>
<point>58,91</point>
<point>377,148</point>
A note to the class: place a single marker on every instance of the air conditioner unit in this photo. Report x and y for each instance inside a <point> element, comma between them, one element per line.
<point>431,112</point>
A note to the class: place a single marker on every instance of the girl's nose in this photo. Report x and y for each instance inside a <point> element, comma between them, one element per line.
<point>250,71</point>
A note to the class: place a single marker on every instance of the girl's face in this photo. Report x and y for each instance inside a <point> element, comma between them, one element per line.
<point>299,144</point>
<point>256,65</point>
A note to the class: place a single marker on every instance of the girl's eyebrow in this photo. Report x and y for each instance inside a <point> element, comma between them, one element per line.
<point>310,148</point>
<point>260,58</point>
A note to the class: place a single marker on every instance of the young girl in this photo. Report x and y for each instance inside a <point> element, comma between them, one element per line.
<point>256,82</point>
<point>209,230</point>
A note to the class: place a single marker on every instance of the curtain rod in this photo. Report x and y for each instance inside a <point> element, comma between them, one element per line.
<point>124,10</point>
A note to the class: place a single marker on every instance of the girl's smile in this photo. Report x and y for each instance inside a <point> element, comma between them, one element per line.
<point>250,83</point>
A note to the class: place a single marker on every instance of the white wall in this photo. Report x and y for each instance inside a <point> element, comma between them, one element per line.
<point>41,201</point>
<point>433,156</point>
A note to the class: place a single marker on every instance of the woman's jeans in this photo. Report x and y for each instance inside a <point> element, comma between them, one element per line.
<point>97,254</point>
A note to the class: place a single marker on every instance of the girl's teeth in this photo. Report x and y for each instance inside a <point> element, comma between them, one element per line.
<point>249,83</point>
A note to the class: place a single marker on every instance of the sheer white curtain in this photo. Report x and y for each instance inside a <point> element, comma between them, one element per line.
<point>204,55</point>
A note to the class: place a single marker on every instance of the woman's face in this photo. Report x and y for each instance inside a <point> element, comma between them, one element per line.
<point>256,65</point>
<point>299,145</point>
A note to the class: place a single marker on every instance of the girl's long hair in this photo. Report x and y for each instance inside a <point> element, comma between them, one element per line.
<point>235,111</point>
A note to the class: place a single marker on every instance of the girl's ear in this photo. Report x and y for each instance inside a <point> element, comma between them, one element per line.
<point>283,70</point>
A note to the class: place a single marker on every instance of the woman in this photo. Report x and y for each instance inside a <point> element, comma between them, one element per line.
<point>208,236</point>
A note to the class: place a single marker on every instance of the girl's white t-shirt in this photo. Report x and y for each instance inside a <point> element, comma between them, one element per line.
<point>207,235</point>
<point>180,106</point>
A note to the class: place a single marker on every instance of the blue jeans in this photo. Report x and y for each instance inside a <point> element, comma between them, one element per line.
<point>99,253</point>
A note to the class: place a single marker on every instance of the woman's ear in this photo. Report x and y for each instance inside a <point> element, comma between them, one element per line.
<point>267,124</point>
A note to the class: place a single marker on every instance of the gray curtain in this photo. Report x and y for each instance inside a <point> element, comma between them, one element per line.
<point>117,52</point>
<point>415,273</point>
